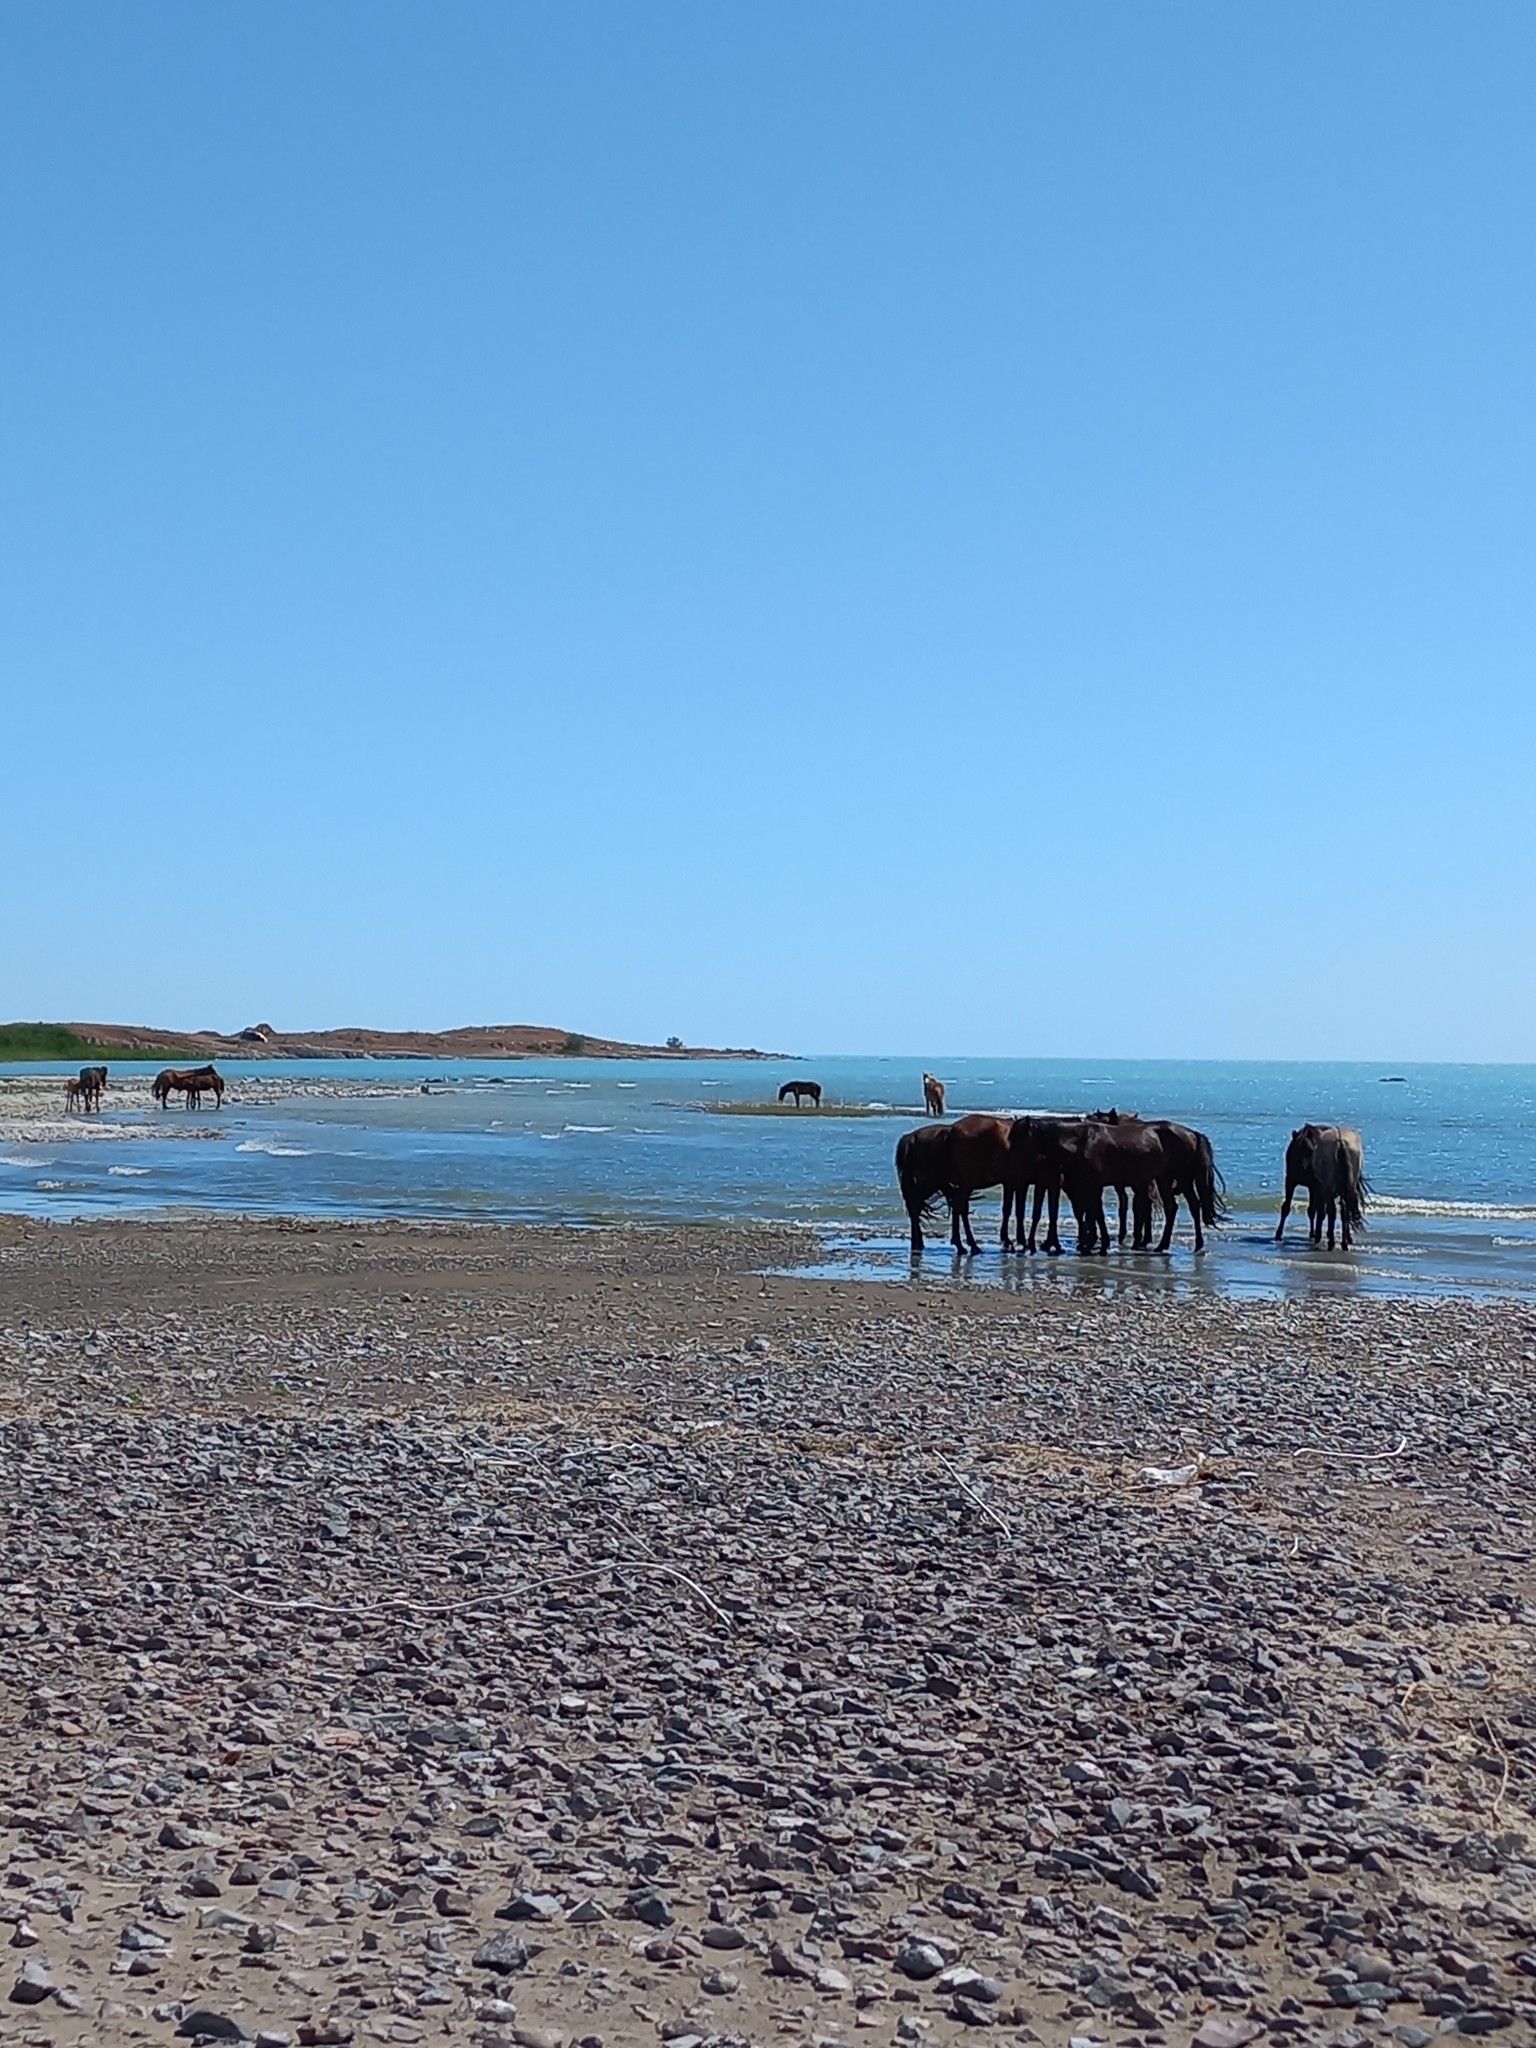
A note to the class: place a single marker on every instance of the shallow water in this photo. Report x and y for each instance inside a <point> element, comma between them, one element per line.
<point>1450,1154</point>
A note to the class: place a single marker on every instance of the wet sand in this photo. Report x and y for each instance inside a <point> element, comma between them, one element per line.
<point>491,1634</point>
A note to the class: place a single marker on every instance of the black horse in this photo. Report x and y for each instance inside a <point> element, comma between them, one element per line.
<point>799,1088</point>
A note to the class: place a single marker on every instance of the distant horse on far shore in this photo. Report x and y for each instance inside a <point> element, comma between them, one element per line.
<point>1328,1160</point>
<point>799,1088</point>
<point>933,1095</point>
<point>191,1082</point>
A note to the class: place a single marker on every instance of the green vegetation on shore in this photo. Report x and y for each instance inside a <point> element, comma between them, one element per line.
<point>57,1042</point>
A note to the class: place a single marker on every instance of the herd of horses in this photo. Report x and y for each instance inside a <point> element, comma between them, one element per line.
<point>85,1090</point>
<point>1146,1162</point>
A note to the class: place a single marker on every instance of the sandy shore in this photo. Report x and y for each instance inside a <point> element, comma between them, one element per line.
<point>491,1635</point>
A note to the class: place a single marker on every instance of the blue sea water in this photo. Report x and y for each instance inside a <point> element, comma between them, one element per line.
<point>1450,1156</point>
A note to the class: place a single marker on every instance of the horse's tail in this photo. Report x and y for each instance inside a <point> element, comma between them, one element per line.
<point>1355,1189</point>
<point>1210,1188</point>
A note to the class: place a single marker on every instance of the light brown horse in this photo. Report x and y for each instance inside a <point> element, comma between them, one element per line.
<point>933,1095</point>
<point>71,1094</point>
<point>1329,1161</point>
<point>954,1161</point>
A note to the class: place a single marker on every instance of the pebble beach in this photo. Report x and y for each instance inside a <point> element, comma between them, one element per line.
<point>513,1635</point>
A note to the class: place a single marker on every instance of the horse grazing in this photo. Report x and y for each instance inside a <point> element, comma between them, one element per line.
<point>933,1095</point>
<point>93,1085</point>
<point>191,1082</point>
<point>1329,1161</point>
<point>799,1088</point>
<point>954,1161</point>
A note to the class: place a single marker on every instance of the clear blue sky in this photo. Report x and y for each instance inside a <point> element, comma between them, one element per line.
<point>998,528</point>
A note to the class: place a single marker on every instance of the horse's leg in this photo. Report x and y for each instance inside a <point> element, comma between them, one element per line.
<point>915,1212</point>
<point>1191,1195</point>
<point>1004,1242</point>
<point>1285,1210</point>
<point>1170,1201</point>
<point>965,1217</point>
<point>1122,1193</point>
<point>1332,1212</point>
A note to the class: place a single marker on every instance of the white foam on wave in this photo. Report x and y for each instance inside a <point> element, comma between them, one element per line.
<point>1459,1212</point>
<point>594,1129</point>
<point>53,1187</point>
<point>23,1159</point>
<point>136,1172</point>
<point>274,1150</point>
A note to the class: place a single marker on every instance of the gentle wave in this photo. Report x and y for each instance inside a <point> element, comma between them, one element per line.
<point>23,1159</point>
<point>127,1172</point>
<point>1471,1212</point>
<point>273,1150</point>
<point>593,1128</point>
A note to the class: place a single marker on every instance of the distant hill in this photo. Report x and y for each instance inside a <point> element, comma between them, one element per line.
<point>262,1042</point>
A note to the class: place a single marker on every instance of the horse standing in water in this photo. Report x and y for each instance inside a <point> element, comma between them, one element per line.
<point>1329,1161</point>
<point>1086,1155</point>
<point>93,1085</point>
<point>954,1161</point>
<point>192,1083</point>
<point>933,1095</point>
<point>799,1088</point>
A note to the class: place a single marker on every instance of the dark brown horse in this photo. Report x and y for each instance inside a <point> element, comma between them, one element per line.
<point>933,1095</point>
<point>1328,1160</point>
<point>799,1088</point>
<point>93,1085</point>
<point>1148,1161</point>
<point>1039,1147</point>
<point>953,1161</point>
<point>193,1083</point>
<point>1194,1174</point>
